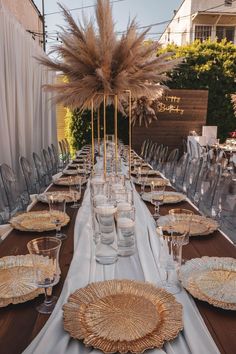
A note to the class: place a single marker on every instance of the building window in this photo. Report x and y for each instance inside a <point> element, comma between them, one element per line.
<point>202,32</point>
<point>228,2</point>
<point>225,32</point>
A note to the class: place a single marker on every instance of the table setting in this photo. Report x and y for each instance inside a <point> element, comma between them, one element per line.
<point>126,288</point>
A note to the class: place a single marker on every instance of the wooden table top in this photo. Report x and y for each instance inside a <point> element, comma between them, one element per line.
<point>20,323</point>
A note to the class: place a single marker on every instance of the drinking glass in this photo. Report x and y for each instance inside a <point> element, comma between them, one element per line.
<point>57,215</point>
<point>106,248</point>
<point>186,216</point>
<point>75,192</point>
<point>170,257</point>
<point>126,229</point>
<point>157,198</point>
<point>49,248</point>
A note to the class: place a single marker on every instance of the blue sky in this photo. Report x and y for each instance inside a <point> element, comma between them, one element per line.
<point>145,11</point>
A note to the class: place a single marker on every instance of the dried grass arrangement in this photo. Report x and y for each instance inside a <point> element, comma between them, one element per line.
<point>97,61</point>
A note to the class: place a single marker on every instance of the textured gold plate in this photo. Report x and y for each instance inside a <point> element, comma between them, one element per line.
<point>211,279</point>
<point>58,196</point>
<point>199,225</point>
<point>67,181</point>
<point>17,278</point>
<point>122,316</point>
<point>38,221</point>
<point>157,181</point>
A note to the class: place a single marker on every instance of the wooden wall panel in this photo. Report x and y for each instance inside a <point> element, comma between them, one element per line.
<point>171,128</point>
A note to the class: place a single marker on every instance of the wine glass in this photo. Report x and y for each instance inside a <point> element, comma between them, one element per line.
<point>46,277</point>
<point>75,192</point>
<point>170,257</point>
<point>57,215</point>
<point>185,217</point>
<point>157,198</point>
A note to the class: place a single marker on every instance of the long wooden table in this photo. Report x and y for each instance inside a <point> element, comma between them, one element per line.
<point>19,324</point>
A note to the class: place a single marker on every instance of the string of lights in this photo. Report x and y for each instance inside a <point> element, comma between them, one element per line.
<point>54,36</point>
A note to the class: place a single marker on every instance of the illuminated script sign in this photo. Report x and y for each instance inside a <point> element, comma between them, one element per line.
<point>170,104</point>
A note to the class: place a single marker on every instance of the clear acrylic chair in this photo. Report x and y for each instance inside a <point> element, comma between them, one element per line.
<point>15,200</point>
<point>4,209</point>
<point>169,165</point>
<point>63,155</point>
<point>143,147</point>
<point>53,161</point>
<point>47,163</point>
<point>57,158</point>
<point>162,158</point>
<point>156,156</point>
<point>180,171</point>
<point>32,187</point>
<point>210,186</point>
<point>42,177</point>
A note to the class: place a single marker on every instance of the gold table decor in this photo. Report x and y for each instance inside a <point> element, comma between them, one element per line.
<point>71,171</point>
<point>36,221</point>
<point>122,316</point>
<point>67,181</point>
<point>211,279</point>
<point>169,197</point>
<point>199,226</point>
<point>156,180</point>
<point>17,278</point>
<point>58,196</point>
<point>146,172</point>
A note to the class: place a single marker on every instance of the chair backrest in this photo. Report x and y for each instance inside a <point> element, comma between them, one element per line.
<point>143,146</point>
<point>47,162</point>
<point>28,174</point>
<point>184,144</point>
<point>52,159</point>
<point>13,196</point>
<point>41,173</point>
<point>55,152</point>
<point>148,146</point>
<point>173,156</point>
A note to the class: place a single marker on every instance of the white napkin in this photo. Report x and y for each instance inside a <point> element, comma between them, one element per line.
<point>5,229</point>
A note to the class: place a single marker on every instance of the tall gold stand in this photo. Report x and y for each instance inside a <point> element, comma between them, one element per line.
<point>98,129</point>
<point>104,137</point>
<point>105,97</point>
<point>92,128</point>
<point>116,132</point>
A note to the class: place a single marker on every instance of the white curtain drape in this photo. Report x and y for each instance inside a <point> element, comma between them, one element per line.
<point>27,114</point>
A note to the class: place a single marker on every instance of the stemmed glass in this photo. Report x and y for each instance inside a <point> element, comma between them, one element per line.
<point>57,215</point>
<point>46,277</point>
<point>75,192</point>
<point>185,216</point>
<point>170,257</point>
<point>157,198</point>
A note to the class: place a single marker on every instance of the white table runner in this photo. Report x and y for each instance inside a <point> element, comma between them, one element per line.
<point>52,339</point>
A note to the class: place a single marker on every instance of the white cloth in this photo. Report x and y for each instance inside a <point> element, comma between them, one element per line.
<point>27,116</point>
<point>143,266</point>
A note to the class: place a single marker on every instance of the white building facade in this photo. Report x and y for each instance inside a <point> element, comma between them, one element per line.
<point>201,19</point>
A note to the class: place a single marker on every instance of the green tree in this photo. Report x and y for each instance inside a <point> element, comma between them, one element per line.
<point>209,65</point>
<point>78,127</point>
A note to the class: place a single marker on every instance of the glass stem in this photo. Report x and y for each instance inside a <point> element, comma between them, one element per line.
<point>157,209</point>
<point>58,229</point>
<point>47,298</point>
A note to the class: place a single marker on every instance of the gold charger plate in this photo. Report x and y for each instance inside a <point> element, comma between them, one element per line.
<point>169,197</point>
<point>211,279</point>
<point>58,196</point>
<point>122,316</point>
<point>199,225</point>
<point>17,278</point>
<point>38,221</point>
<point>67,181</point>
<point>156,180</point>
